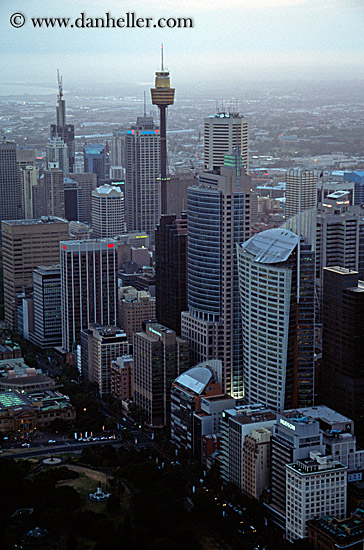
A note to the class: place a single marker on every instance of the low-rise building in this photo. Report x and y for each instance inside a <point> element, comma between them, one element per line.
<point>331,533</point>
<point>24,413</point>
<point>15,374</point>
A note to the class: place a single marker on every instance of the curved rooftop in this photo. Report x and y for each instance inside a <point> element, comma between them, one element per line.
<point>106,190</point>
<point>195,379</point>
<point>272,246</point>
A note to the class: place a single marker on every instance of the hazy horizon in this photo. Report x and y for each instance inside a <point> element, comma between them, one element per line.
<point>246,40</point>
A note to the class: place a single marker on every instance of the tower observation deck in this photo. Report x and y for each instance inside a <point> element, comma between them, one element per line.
<point>162,96</point>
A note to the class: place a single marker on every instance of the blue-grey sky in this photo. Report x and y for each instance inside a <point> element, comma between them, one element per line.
<point>231,39</point>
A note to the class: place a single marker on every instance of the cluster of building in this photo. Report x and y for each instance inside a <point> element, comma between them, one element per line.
<point>176,274</point>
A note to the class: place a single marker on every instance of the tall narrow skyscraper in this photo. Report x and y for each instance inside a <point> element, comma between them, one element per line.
<point>10,195</point>
<point>301,190</point>
<point>108,216</point>
<point>163,96</point>
<point>171,270</point>
<point>142,146</point>
<point>342,373</point>
<point>277,292</point>
<point>222,133</point>
<point>89,286</point>
<point>220,212</point>
<point>66,132</point>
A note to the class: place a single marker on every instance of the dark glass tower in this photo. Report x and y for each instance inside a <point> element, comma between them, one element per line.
<point>341,379</point>
<point>171,270</point>
<point>62,130</point>
<point>10,199</point>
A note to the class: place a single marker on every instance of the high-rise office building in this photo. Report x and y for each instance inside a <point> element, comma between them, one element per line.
<point>26,245</point>
<point>85,182</point>
<point>135,306</point>
<point>100,345</point>
<point>30,188</point>
<point>171,270</point>
<point>316,486</point>
<point>65,132</point>
<point>342,370</point>
<point>108,213</point>
<point>256,462</point>
<point>187,391</point>
<point>163,96</point>
<point>47,331</point>
<point>141,179</point>
<point>10,195</point>
<point>301,190</point>
<point>277,293</point>
<point>25,157</point>
<point>95,161</point>
<point>357,177</point>
<point>224,132</point>
<point>57,154</point>
<point>52,180</point>
<point>237,424</point>
<point>89,287</point>
<point>117,155</point>
<point>294,436</point>
<point>122,378</point>
<point>220,212</point>
<point>159,357</point>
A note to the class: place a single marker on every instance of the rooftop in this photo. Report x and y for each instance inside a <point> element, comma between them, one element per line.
<point>195,379</point>
<point>271,246</point>
<point>40,221</point>
<point>10,399</point>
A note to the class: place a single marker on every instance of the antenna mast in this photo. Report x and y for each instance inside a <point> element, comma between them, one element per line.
<point>162,56</point>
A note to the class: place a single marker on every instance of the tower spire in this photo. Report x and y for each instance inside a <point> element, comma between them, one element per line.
<point>60,91</point>
<point>162,57</point>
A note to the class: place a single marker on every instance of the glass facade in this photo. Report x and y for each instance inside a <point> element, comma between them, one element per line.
<point>204,252</point>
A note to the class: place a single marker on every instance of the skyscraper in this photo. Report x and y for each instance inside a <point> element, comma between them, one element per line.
<point>95,161</point>
<point>163,96</point>
<point>341,378</point>
<point>171,270</point>
<point>222,133</point>
<point>277,292</point>
<point>47,306</point>
<point>108,215</point>
<point>57,154</point>
<point>26,245</point>
<point>86,183</point>
<point>301,190</point>
<point>142,146</point>
<point>89,286</point>
<point>10,196</point>
<point>100,345</point>
<point>30,187</point>
<point>220,212</point>
<point>159,357</point>
<point>52,180</point>
<point>63,131</point>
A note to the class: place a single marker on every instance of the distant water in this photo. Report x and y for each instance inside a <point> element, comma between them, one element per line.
<point>23,88</point>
